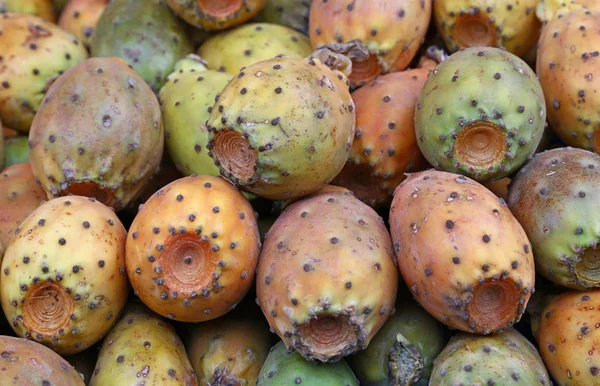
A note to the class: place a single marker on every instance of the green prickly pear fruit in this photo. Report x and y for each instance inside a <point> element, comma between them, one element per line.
<point>63,279</point>
<point>326,278</point>
<point>146,34</point>
<point>245,45</point>
<point>555,197</point>
<point>290,13</point>
<point>109,151</point>
<point>41,8</point>
<point>24,362</point>
<point>35,52</point>
<point>80,18</point>
<point>216,15</point>
<point>283,128</point>
<point>548,10</point>
<point>143,347</point>
<point>192,249</point>
<point>16,151</point>
<point>502,358</point>
<point>462,253</point>
<point>462,129</point>
<point>186,101</point>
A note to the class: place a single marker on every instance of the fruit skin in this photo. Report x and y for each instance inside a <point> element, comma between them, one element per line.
<point>80,18</point>
<point>186,101</point>
<point>567,66</point>
<point>290,13</point>
<point>24,362</point>
<point>327,260</point>
<point>554,197</point>
<point>193,248</point>
<point>60,4</point>
<point>460,250</point>
<point>99,133</point>
<point>499,359</point>
<point>208,15</point>
<point>250,43</point>
<point>16,151</point>
<point>385,146</point>
<point>35,53</point>
<point>84,362</point>
<point>63,274</point>
<point>143,347</point>
<point>461,129</point>
<point>284,367</point>
<point>41,8</point>
<point>548,10</point>
<point>292,119</point>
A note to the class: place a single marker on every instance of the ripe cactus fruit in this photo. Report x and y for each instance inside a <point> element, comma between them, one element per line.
<point>461,129</point>
<point>287,367</point>
<point>108,151</point>
<point>35,52</point>
<point>291,13</point>
<point>192,249</point>
<point>80,18</point>
<point>16,151</point>
<point>216,15</point>
<point>390,31</point>
<point>502,358</point>
<point>385,146</point>
<point>142,347</point>
<point>53,290</point>
<point>24,362</point>
<point>555,197</point>
<point>548,10</point>
<point>326,278</point>
<point>567,66</point>
<point>283,128</point>
<point>460,250</point>
<point>41,8</point>
<point>251,43</point>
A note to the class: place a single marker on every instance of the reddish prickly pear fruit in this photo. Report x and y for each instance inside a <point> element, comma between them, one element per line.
<point>41,8</point>
<point>283,128</point>
<point>390,32</point>
<point>80,18</point>
<point>462,253</point>
<point>24,362</point>
<point>291,13</point>
<point>63,277</point>
<point>385,146</point>
<point>192,249</point>
<point>143,347</point>
<point>326,278</point>
<point>555,197</point>
<point>108,151</point>
<point>216,15</point>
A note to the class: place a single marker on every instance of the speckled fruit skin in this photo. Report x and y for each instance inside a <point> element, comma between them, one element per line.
<point>99,133</point>
<point>555,197</point>
<point>192,249</point>
<point>568,69</point>
<point>460,250</point>
<point>63,277</point>
<point>292,118</point>
<point>80,18</point>
<point>216,15</point>
<point>327,261</point>
<point>385,146</point>
<point>35,53</point>
<point>41,8</point>
<point>285,367</point>
<point>291,13</point>
<point>548,10</point>
<point>504,358</point>
<point>24,362</point>
<point>143,347</point>
<point>251,43</point>
<point>481,113</point>
<point>16,151</point>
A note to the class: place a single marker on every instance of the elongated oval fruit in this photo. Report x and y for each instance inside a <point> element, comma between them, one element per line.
<point>80,18</point>
<point>462,253</point>
<point>216,14</point>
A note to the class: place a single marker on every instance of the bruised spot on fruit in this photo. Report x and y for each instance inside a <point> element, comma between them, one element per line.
<point>588,266</point>
<point>474,31</point>
<point>235,154</point>
<point>220,8</point>
<point>481,145</point>
<point>494,304</point>
<point>327,334</point>
<point>90,189</point>
<point>47,308</point>
<point>364,71</point>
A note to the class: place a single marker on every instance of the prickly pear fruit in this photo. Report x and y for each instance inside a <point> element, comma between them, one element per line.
<point>555,197</point>
<point>283,128</point>
<point>2,162</point>
<point>63,274</point>
<point>251,43</point>
<point>24,362</point>
<point>478,273</point>
<point>499,187</point>
<point>186,100</point>
<point>35,52</point>
<point>216,15</point>
<point>192,249</point>
<point>60,4</point>
<point>385,146</point>
<point>390,32</point>
<point>567,66</point>
<point>84,362</point>
<point>143,347</point>
<point>544,292</point>
<point>548,10</point>
<point>16,151</point>
<point>80,18</point>
<point>290,13</point>
<point>287,367</point>
<point>41,8</point>
<point>461,129</point>
<point>498,359</point>
<point>109,151</point>
<point>326,278</point>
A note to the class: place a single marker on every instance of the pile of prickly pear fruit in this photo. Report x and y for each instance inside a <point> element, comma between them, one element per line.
<point>297,192</point>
